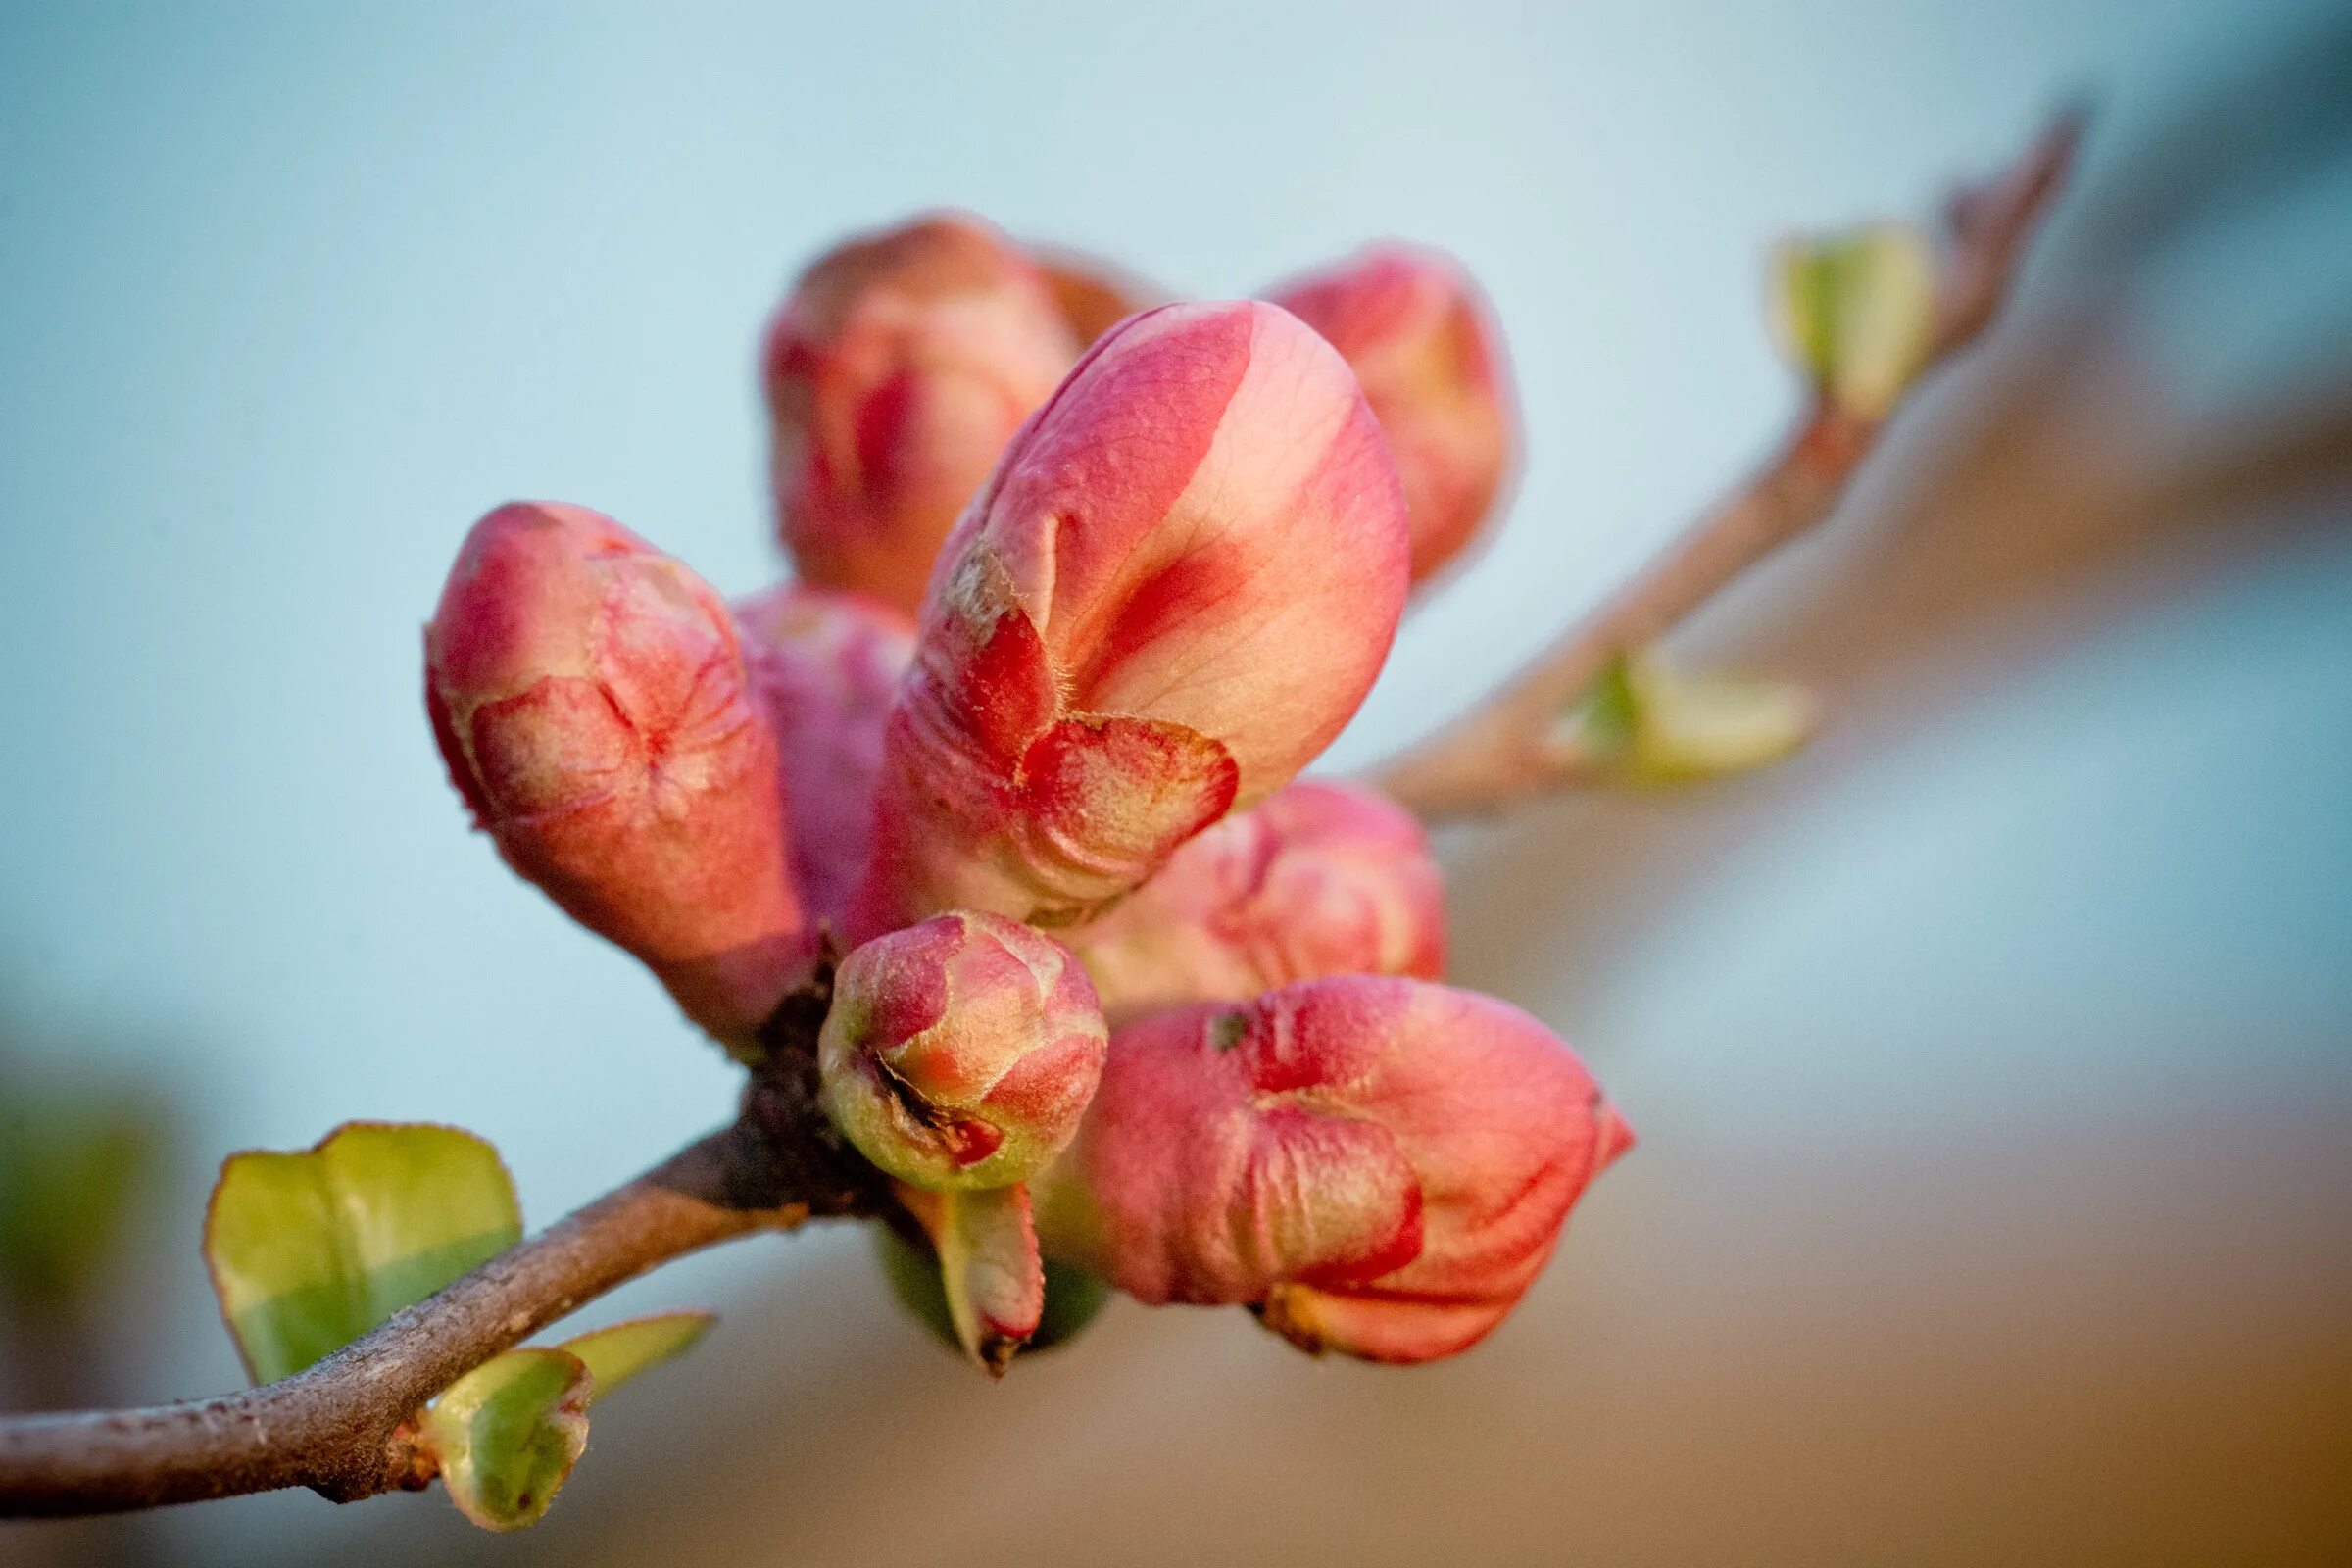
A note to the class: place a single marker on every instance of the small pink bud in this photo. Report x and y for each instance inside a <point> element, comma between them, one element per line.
<point>1177,587</point>
<point>1377,1166</point>
<point>824,668</point>
<point>590,700</point>
<point>1323,878</point>
<point>896,372</point>
<point>960,1053</point>
<point>1423,341</point>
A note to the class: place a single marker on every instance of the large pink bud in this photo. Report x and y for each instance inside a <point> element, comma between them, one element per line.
<point>590,700</point>
<point>1175,590</point>
<point>896,372</point>
<point>1322,879</point>
<point>825,667</point>
<point>1423,342</point>
<point>1377,1166</point>
<point>960,1053</point>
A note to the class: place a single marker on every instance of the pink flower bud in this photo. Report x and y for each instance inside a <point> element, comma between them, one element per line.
<point>1420,336</point>
<point>590,700</point>
<point>1377,1166</point>
<point>1323,878</point>
<point>1177,587</point>
<point>1095,295</point>
<point>961,1051</point>
<point>824,668</point>
<point>896,372</point>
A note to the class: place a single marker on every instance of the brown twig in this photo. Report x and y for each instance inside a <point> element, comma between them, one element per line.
<point>1510,746</point>
<point>341,1427</point>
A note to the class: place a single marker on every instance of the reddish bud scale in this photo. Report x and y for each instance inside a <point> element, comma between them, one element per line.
<point>1323,878</point>
<point>1175,590</point>
<point>895,372</point>
<point>589,697</point>
<point>1379,1166</point>
<point>1422,340</point>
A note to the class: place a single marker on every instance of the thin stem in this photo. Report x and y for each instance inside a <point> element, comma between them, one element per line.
<point>339,1427</point>
<point>1510,746</point>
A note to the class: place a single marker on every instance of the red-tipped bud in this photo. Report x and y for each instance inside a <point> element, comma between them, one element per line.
<point>1175,590</point>
<point>1321,879</point>
<point>1423,342</point>
<point>1377,1166</point>
<point>989,1267</point>
<point>590,700</point>
<point>960,1053</point>
<point>824,668</point>
<point>896,372</point>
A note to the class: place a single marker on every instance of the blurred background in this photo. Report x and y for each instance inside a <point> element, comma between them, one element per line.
<point>1992,1061</point>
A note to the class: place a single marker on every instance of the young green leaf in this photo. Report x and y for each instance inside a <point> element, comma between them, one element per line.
<point>310,1251</point>
<point>620,1353</point>
<point>1645,722</point>
<point>1856,312</point>
<point>508,1432</point>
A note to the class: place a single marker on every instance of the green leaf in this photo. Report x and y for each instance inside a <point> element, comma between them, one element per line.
<point>310,1251</point>
<point>1856,312</point>
<point>1073,1295</point>
<point>620,1353</point>
<point>1647,723</point>
<point>508,1432</point>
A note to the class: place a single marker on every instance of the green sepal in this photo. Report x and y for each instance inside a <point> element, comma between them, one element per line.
<point>308,1251</point>
<point>507,1434</point>
<point>1856,312</point>
<point>1073,1295</point>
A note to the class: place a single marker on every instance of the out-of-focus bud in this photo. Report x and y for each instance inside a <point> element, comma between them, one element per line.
<point>590,699</point>
<point>1322,879</point>
<point>1649,723</point>
<point>824,668</point>
<point>960,1053</point>
<point>1377,1166</point>
<point>896,372</point>
<point>1177,587</point>
<point>1424,343</point>
<point>989,1267</point>
<point>1095,295</point>
<point>1856,313</point>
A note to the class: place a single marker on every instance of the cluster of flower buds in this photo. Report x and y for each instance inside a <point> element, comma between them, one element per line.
<point>1081,588</point>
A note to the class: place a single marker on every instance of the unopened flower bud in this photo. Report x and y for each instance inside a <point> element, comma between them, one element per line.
<point>1377,1166</point>
<point>990,1270</point>
<point>1422,340</point>
<point>1173,593</point>
<point>824,668</point>
<point>1321,878</point>
<point>589,697</point>
<point>960,1053</point>
<point>896,372</point>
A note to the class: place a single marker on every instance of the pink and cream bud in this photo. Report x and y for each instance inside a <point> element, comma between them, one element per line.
<point>1423,342</point>
<point>590,699</point>
<point>1377,1166</point>
<point>895,372</point>
<point>1322,879</point>
<point>825,667</point>
<point>1175,590</point>
<point>960,1053</point>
